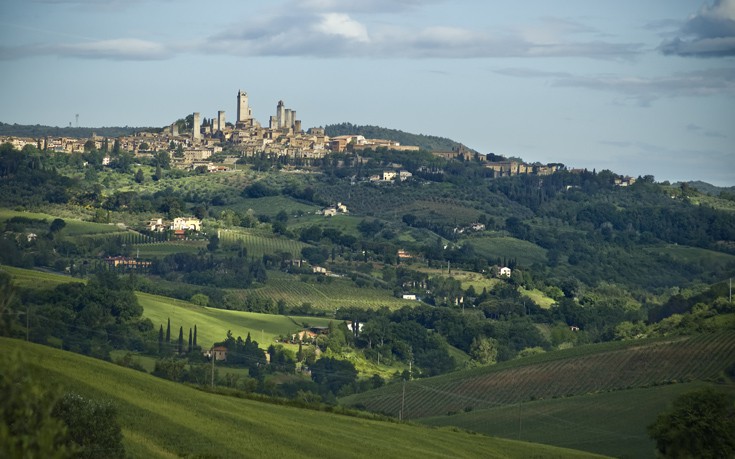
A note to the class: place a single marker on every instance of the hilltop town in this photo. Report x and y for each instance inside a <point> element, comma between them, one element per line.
<point>194,140</point>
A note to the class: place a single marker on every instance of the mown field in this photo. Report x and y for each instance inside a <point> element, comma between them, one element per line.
<point>73,227</point>
<point>327,296</point>
<point>28,278</point>
<point>612,423</point>
<point>164,419</point>
<point>212,324</point>
<point>584,370</point>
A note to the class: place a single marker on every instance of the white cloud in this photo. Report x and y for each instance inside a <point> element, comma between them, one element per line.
<point>116,49</point>
<point>343,26</point>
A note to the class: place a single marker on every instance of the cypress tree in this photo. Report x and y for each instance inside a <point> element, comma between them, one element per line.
<point>168,331</point>
<point>160,339</point>
<point>181,340</point>
<point>195,335</point>
<point>190,341</point>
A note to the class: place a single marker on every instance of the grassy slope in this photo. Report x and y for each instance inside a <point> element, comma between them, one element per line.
<point>590,369</point>
<point>612,423</point>
<point>165,419</point>
<point>326,296</point>
<point>74,227</point>
<point>596,398</point>
<point>212,324</point>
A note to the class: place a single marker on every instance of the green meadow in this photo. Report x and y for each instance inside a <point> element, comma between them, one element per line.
<point>162,419</point>
<point>212,324</point>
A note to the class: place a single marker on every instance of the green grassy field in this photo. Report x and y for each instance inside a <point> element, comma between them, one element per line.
<point>466,278</point>
<point>538,297</point>
<point>577,371</point>
<point>597,398</point>
<point>164,419</point>
<point>28,278</point>
<point>612,423</point>
<point>73,227</point>
<point>212,324</point>
<point>327,296</point>
<point>696,255</point>
<point>526,253</point>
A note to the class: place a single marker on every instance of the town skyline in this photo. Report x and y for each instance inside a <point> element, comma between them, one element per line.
<point>634,89</point>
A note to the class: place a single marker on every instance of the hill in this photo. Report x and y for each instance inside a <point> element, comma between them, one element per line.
<point>163,419</point>
<point>612,388</point>
<point>612,423</point>
<point>426,142</point>
<point>37,130</point>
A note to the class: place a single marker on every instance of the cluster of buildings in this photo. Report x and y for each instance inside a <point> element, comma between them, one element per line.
<point>159,225</point>
<point>193,143</point>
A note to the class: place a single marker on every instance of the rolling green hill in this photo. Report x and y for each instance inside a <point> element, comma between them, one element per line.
<point>163,419</point>
<point>583,370</point>
<point>597,398</point>
<point>612,423</point>
<point>212,324</point>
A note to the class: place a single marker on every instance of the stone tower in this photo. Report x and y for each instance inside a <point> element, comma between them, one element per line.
<point>243,111</point>
<point>196,133</point>
<point>221,120</point>
<point>281,114</point>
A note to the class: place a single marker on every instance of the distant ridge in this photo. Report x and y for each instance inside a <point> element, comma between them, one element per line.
<point>707,188</point>
<point>37,130</point>
<point>426,142</point>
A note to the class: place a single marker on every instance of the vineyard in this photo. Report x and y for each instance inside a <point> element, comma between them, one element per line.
<point>630,365</point>
<point>326,296</point>
<point>163,419</point>
<point>260,243</point>
<point>611,423</point>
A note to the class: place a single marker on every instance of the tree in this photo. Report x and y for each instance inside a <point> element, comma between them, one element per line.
<point>700,424</point>
<point>92,426</point>
<point>139,177</point>
<point>180,344</point>
<point>195,335</point>
<point>484,350</point>
<point>191,342</point>
<point>160,340</point>
<point>57,225</point>
<point>27,427</point>
<point>168,331</point>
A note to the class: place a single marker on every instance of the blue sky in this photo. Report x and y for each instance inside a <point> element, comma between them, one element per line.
<point>635,87</point>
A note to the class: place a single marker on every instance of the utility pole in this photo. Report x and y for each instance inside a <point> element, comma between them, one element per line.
<point>520,419</point>
<point>211,353</point>
<point>403,401</point>
<point>28,323</point>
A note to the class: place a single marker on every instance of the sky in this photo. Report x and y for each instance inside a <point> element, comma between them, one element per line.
<point>637,87</point>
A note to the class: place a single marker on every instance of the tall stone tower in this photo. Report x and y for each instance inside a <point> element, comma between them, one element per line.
<point>196,134</point>
<point>243,111</point>
<point>281,114</point>
<point>221,120</point>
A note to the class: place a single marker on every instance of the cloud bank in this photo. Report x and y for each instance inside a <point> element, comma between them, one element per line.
<point>643,91</point>
<point>708,33</point>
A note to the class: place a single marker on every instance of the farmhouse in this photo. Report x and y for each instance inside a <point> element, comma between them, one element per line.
<point>187,223</point>
<point>504,272</point>
<point>219,353</point>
